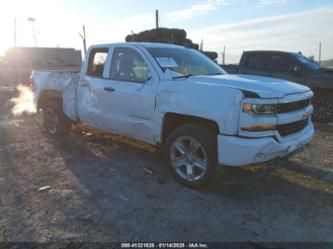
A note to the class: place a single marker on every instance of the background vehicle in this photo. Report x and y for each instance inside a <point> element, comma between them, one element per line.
<point>181,101</point>
<point>292,67</point>
<point>20,61</point>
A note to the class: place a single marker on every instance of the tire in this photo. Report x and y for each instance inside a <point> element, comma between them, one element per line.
<point>323,107</point>
<point>191,155</point>
<point>54,120</point>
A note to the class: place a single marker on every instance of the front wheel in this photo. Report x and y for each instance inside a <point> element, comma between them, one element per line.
<point>190,152</point>
<point>323,108</point>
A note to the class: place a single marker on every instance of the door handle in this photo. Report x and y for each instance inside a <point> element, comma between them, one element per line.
<point>109,89</point>
<point>84,83</point>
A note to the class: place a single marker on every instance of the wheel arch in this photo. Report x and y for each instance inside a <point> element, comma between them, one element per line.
<point>48,95</point>
<point>173,120</point>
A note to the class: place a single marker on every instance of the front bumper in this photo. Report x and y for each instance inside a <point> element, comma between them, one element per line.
<point>239,151</point>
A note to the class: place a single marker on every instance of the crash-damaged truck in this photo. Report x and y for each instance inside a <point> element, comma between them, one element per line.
<point>179,100</point>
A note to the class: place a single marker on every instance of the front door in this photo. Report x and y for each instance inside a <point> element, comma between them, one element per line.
<point>283,66</point>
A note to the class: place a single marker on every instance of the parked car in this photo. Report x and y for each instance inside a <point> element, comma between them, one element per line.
<point>179,100</point>
<point>292,67</point>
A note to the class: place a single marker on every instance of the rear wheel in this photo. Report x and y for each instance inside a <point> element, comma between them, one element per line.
<point>54,120</point>
<point>190,152</point>
<point>323,108</point>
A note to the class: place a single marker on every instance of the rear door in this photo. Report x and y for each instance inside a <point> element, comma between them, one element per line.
<point>255,64</point>
<point>91,88</point>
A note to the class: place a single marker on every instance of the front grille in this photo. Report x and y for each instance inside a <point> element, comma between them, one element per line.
<point>288,129</point>
<point>293,106</point>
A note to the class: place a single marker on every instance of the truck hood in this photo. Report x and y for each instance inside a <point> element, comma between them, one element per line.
<point>265,87</point>
<point>326,70</point>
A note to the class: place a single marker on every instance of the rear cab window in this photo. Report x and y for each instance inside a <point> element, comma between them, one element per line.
<point>97,61</point>
<point>256,61</point>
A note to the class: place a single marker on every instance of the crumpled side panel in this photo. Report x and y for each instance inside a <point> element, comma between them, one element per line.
<point>89,108</point>
<point>70,96</point>
<point>64,82</point>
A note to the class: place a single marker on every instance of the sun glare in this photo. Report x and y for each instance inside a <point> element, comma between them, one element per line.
<point>37,23</point>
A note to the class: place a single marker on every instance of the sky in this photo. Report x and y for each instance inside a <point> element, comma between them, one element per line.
<point>292,25</point>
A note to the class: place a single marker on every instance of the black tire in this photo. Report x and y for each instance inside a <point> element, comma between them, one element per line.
<point>207,140</point>
<point>323,107</point>
<point>54,120</point>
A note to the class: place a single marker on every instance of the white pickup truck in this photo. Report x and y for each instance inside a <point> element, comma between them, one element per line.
<point>179,100</point>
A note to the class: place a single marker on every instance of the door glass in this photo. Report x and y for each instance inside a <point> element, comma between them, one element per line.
<point>256,61</point>
<point>97,61</point>
<point>281,63</point>
<point>128,65</point>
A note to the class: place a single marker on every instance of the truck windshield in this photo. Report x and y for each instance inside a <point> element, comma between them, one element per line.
<point>307,62</point>
<point>185,61</point>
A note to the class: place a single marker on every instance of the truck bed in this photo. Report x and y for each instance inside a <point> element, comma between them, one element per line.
<point>62,81</point>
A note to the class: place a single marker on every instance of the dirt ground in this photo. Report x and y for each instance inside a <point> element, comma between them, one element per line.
<point>105,188</point>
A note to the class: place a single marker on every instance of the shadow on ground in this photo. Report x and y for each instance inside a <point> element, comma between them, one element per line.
<point>129,188</point>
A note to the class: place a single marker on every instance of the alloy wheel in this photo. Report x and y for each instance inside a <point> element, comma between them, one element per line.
<point>188,158</point>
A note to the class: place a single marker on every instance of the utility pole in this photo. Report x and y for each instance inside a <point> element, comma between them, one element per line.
<point>32,20</point>
<point>201,45</point>
<point>156,19</point>
<point>84,39</point>
<point>15,53</point>
<point>132,32</point>
<point>223,55</point>
<point>15,37</point>
<point>319,53</point>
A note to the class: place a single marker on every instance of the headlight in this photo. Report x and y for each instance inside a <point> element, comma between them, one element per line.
<point>259,108</point>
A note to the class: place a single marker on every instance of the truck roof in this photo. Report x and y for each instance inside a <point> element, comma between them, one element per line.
<point>143,44</point>
<point>271,51</point>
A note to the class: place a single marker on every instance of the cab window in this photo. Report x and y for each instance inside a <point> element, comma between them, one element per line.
<point>97,62</point>
<point>256,61</point>
<point>128,65</point>
<point>281,63</point>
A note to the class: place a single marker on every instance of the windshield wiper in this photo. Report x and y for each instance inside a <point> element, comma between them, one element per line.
<point>182,76</point>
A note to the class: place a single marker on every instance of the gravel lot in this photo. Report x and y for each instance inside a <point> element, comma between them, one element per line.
<point>104,187</point>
